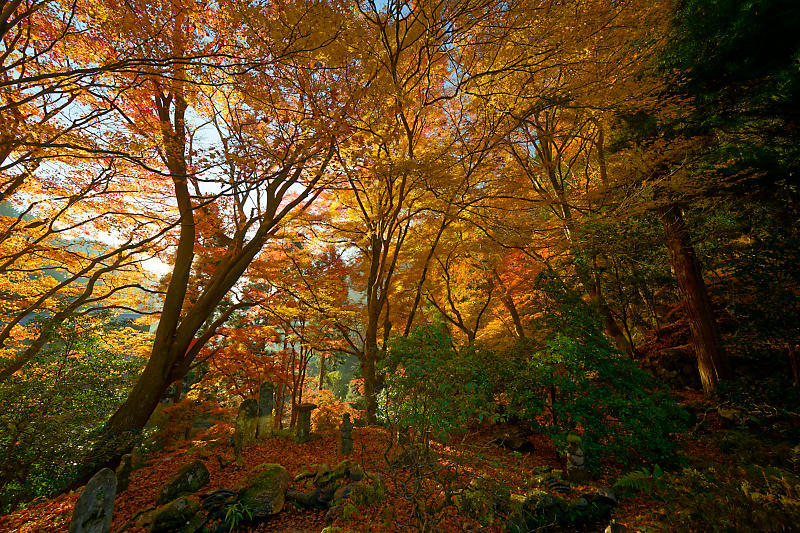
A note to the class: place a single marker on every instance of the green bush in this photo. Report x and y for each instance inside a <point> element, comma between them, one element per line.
<point>642,480</point>
<point>54,406</point>
<point>432,387</point>
<point>578,383</point>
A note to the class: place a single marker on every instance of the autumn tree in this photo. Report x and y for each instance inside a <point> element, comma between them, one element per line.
<point>417,58</point>
<point>276,140</point>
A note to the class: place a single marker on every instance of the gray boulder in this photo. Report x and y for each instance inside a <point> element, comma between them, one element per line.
<point>95,505</point>
<point>188,479</point>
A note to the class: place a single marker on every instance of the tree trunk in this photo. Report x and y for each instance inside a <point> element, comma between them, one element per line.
<point>368,370</point>
<point>321,370</point>
<point>295,378</point>
<point>122,431</point>
<point>591,284</point>
<point>178,392</point>
<point>375,304</point>
<point>508,302</point>
<point>370,388</point>
<point>712,362</point>
<point>424,276</point>
<point>613,330</point>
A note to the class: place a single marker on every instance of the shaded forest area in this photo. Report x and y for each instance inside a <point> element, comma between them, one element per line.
<point>436,265</point>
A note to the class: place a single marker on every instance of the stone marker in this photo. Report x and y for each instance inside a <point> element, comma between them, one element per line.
<point>346,435</point>
<point>576,463</point>
<point>124,472</point>
<point>304,421</point>
<point>265,405</point>
<point>95,505</point>
<point>246,424</point>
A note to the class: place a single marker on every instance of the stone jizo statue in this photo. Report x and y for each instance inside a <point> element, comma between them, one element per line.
<point>346,435</point>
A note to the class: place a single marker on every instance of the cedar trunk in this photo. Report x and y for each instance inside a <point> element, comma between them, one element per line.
<point>712,362</point>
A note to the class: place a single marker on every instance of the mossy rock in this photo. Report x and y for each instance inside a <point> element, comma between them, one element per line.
<point>329,476</point>
<point>173,516</point>
<point>196,524</point>
<point>349,510</point>
<point>305,473</point>
<point>386,516</point>
<point>322,472</point>
<point>356,473</point>
<point>265,490</point>
<point>483,499</point>
<point>369,490</point>
<point>539,511</point>
<point>342,493</point>
<point>517,500</point>
<point>342,512</point>
<point>190,478</point>
<point>574,439</point>
<point>591,509</point>
<point>339,477</point>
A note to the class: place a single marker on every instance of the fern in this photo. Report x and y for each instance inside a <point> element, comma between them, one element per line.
<point>642,480</point>
<point>237,514</point>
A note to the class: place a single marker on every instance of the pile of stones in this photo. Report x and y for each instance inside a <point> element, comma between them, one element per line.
<point>182,508</point>
<point>340,490</point>
<point>541,510</point>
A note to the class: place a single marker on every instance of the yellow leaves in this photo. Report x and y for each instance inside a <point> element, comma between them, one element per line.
<point>128,341</point>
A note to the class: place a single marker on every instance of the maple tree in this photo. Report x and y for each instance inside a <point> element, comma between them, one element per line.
<point>276,145</point>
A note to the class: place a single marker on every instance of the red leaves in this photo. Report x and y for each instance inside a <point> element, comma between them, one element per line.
<point>42,517</point>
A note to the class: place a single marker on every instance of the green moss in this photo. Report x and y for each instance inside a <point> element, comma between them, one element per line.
<point>538,512</point>
<point>267,475</point>
<point>368,491</point>
<point>483,499</point>
<point>327,476</point>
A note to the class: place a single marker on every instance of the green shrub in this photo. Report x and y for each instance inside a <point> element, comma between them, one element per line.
<point>642,480</point>
<point>587,387</point>
<point>237,514</point>
<point>577,383</point>
<point>54,406</point>
<point>433,388</point>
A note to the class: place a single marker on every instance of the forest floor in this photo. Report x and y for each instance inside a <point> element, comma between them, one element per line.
<point>639,512</point>
<point>369,446</point>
